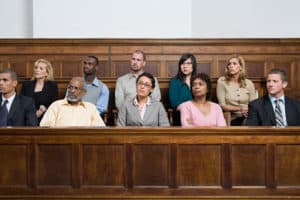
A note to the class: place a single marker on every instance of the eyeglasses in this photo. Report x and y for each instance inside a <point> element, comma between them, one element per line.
<point>71,87</point>
<point>146,85</point>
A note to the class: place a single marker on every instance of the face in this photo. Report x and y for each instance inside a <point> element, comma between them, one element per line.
<point>199,88</point>
<point>187,67</point>
<point>89,66</point>
<point>275,85</point>
<point>75,91</point>
<point>7,84</point>
<point>144,86</point>
<point>40,70</point>
<point>234,66</point>
<point>137,62</point>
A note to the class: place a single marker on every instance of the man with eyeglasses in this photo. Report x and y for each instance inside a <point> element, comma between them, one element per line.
<point>97,92</point>
<point>126,84</point>
<point>72,111</point>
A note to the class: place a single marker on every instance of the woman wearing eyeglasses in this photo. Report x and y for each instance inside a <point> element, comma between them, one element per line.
<point>42,87</point>
<point>179,88</point>
<point>142,110</point>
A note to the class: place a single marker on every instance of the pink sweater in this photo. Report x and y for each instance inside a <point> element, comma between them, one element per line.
<point>192,116</point>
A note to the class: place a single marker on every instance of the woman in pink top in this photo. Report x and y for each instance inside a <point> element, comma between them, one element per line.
<point>199,111</point>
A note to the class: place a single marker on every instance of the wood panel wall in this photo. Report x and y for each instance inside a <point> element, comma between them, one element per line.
<point>148,163</point>
<point>162,58</point>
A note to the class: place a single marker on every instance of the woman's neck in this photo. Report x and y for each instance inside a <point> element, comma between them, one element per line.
<point>142,100</point>
<point>40,80</point>
<point>188,79</point>
<point>235,78</point>
<point>200,100</point>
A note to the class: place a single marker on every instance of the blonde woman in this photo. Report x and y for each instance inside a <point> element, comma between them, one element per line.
<point>42,87</point>
<point>235,91</point>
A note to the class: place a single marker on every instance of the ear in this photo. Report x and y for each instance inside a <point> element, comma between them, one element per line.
<point>284,84</point>
<point>15,83</point>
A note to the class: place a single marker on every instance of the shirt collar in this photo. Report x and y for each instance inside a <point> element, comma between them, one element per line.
<point>94,83</point>
<point>136,103</point>
<point>65,102</point>
<point>280,98</point>
<point>133,75</point>
<point>10,99</point>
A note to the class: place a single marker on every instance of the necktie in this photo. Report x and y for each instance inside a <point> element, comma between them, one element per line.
<point>3,114</point>
<point>278,114</point>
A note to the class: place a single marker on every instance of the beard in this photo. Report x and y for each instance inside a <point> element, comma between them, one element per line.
<point>72,98</point>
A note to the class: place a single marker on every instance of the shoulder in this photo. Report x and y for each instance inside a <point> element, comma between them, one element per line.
<point>215,105</point>
<point>156,103</point>
<point>28,83</point>
<point>174,80</point>
<point>249,82</point>
<point>290,100</point>
<point>185,104</point>
<point>221,79</point>
<point>51,83</point>
<point>88,104</point>
<point>259,100</point>
<point>123,77</point>
<point>24,100</point>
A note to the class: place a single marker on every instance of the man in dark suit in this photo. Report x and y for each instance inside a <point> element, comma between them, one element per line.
<point>16,110</point>
<point>266,111</point>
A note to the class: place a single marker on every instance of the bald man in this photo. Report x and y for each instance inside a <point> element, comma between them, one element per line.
<point>72,111</point>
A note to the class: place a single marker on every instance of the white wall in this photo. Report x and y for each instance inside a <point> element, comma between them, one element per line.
<point>245,18</point>
<point>16,19</point>
<point>112,18</point>
<point>149,19</point>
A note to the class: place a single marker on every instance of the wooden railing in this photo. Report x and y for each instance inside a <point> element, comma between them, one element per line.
<point>150,163</point>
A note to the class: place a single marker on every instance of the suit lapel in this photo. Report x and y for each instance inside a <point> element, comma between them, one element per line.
<point>268,109</point>
<point>14,107</point>
<point>147,112</point>
<point>136,114</point>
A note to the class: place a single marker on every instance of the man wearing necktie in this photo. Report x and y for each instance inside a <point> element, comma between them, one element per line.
<point>15,110</point>
<point>274,109</point>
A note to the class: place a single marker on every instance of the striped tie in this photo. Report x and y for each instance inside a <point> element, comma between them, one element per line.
<point>278,114</point>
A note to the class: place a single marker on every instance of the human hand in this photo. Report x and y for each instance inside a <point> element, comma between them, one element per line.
<point>244,111</point>
<point>40,111</point>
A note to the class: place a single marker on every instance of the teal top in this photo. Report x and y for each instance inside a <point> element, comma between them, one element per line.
<point>179,92</point>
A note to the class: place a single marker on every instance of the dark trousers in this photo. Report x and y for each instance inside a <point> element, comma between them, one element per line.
<point>238,121</point>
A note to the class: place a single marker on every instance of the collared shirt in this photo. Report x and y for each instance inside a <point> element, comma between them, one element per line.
<point>126,89</point>
<point>281,106</point>
<point>143,109</point>
<point>61,113</point>
<point>102,101</point>
<point>10,100</point>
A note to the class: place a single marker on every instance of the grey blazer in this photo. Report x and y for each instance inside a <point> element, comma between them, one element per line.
<point>155,115</point>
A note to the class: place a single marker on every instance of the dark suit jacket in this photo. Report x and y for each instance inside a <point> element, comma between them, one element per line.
<point>261,113</point>
<point>48,95</point>
<point>22,112</point>
<point>45,97</point>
